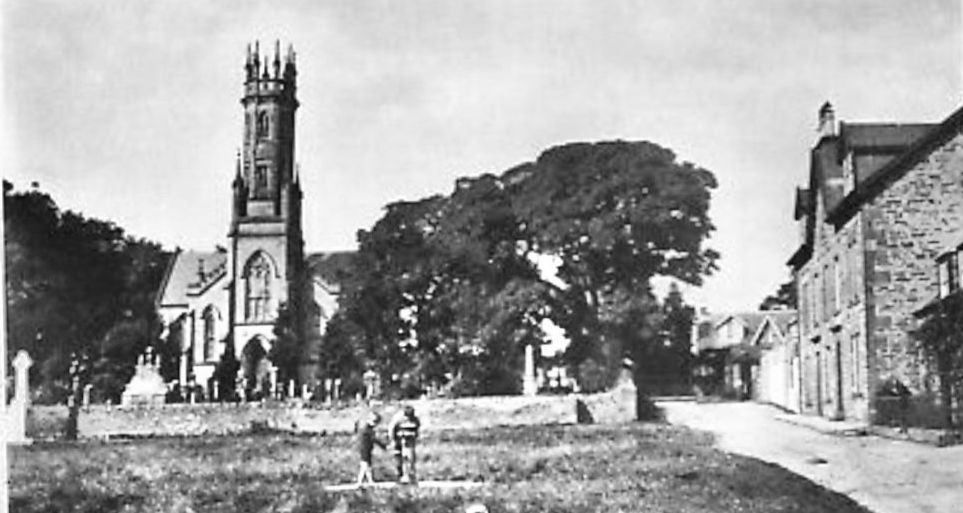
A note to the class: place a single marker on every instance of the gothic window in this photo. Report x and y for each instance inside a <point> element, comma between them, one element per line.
<point>262,125</point>
<point>258,277</point>
<point>260,178</point>
<point>210,318</point>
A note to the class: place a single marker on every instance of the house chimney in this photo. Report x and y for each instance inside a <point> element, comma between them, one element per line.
<point>827,121</point>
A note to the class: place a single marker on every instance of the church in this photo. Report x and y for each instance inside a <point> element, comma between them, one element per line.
<point>226,302</point>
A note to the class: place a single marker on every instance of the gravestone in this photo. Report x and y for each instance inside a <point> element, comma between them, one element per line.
<point>87,389</point>
<point>17,429</point>
<point>372,384</point>
<point>328,390</point>
<point>529,382</point>
<point>273,378</point>
<point>146,387</point>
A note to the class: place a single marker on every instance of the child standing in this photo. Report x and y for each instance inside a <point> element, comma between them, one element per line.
<point>366,443</point>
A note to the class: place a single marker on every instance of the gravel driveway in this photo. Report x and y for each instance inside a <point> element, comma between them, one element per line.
<point>887,476</point>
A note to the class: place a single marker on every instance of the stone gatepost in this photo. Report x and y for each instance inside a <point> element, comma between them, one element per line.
<point>328,390</point>
<point>215,393</point>
<point>291,389</point>
<point>337,389</point>
<point>17,429</point>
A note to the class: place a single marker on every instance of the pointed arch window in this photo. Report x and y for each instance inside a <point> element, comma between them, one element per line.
<point>260,181</point>
<point>258,277</point>
<point>263,125</point>
<point>210,317</point>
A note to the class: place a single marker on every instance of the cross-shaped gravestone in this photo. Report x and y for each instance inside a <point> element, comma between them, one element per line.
<point>21,399</point>
<point>21,367</point>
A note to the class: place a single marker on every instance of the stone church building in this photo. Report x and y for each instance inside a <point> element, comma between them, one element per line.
<point>229,299</point>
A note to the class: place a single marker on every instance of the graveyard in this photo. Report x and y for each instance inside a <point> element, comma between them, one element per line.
<point>572,468</point>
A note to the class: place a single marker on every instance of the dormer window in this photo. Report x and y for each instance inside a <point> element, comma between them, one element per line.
<point>948,274</point>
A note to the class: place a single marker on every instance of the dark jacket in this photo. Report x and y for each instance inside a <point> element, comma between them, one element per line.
<point>366,442</point>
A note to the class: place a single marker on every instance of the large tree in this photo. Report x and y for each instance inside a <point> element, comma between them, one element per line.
<point>77,288</point>
<point>452,287</point>
<point>615,214</point>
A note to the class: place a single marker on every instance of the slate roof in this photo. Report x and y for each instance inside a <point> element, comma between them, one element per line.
<point>925,143</point>
<point>881,136</point>
<point>190,273</point>
<point>781,319</point>
<point>874,147</point>
<point>333,267</point>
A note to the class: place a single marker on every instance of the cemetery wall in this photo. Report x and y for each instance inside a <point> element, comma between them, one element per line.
<point>101,421</point>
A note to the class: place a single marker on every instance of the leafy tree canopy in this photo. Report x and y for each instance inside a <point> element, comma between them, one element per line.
<point>77,286</point>
<point>451,288</point>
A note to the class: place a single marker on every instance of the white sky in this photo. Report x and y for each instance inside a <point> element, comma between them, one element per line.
<point>128,110</point>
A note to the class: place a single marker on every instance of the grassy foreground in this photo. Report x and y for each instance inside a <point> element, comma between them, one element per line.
<point>636,467</point>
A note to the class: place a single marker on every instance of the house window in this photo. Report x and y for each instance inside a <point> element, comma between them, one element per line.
<point>837,284</point>
<point>947,274</point>
<point>855,273</point>
<point>854,356</point>
<point>958,266</point>
<point>258,277</point>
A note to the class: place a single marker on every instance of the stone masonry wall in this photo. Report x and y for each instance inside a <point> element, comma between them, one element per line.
<point>908,225</point>
<point>832,324</point>
<point>102,421</point>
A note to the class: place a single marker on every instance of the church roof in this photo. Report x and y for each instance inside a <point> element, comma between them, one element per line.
<point>190,273</point>
<point>332,267</point>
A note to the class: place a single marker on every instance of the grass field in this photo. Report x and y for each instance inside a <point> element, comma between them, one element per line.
<point>633,467</point>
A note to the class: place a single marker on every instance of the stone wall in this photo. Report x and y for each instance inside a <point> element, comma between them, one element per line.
<point>908,225</point>
<point>832,324</point>
<point>100,421</point>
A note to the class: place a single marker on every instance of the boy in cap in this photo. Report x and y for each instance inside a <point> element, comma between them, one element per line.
<point>403,431</point>
<point>366,443</point>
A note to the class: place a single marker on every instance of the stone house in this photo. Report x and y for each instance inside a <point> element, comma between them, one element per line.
<point>731,349</point>
<point>882,201</point>
<point>777,380</point>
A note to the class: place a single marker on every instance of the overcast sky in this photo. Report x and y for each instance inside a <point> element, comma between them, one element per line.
<point>128,110</point>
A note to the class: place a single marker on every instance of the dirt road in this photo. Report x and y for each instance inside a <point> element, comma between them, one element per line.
<point>887,476</point>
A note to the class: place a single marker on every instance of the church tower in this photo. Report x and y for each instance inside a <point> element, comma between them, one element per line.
<point>266,256</point>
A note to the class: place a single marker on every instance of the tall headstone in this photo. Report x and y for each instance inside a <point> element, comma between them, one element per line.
<point>529,383</point>
<point>87,389</point>
<point>273,379</point>
<point>17,432</point>
<point>371,384</point>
